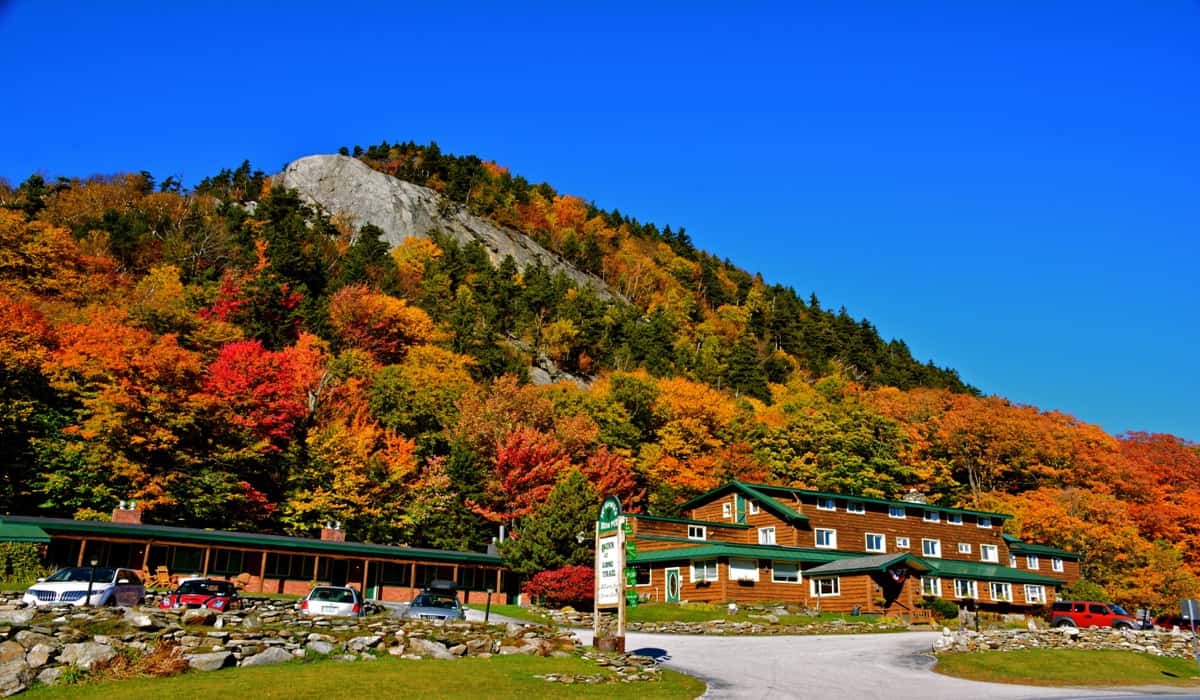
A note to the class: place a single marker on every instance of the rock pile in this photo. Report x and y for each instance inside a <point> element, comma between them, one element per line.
<point>1175,643</point>
<point>766,622</point>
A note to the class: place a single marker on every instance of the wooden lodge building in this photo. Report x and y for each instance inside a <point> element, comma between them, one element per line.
<point>748,542</point>
<point>259,563</point>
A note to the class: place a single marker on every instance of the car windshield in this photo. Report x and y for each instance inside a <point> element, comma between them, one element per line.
<point>1118,609</point>
<point>100,574</point>
<point>204,587</point>
<point>332,595</point>
<point>428,601</point>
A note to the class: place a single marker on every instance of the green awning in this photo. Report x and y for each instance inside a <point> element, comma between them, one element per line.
<point>20,532</point>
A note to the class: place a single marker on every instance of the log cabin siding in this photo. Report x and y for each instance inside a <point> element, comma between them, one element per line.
<point>852,530</point>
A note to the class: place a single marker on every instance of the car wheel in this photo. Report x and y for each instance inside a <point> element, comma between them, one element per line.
<point>1122,626</point>
<point>1064,623</point>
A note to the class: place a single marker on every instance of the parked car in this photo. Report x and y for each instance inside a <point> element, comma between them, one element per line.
<point>438,601</point>
<point>203,593</point>
<point>1090,613</point>
<point>69,586</point>
<point>1167,622</point>
<point>332,600</point>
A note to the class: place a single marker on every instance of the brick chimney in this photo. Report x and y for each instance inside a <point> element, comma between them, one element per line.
<point>128,513</point>
<point>333,532</point>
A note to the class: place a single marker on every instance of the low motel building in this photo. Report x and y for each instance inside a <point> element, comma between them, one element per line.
<point>840,553</point>
<point>259,563</point>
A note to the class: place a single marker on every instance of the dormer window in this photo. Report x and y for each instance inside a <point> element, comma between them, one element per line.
<point>931,516</point>
<point>697,532</point>
<point>826,504</point>
<point>954,518</point>
<point>896,511</point>
<point>754,509</point>
<point>985,523</point>
<point>856,507</point>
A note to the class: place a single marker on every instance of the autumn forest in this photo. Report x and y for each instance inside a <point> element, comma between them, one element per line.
<point>232,357</point>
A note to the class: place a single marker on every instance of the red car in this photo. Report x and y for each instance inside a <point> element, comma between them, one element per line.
<point>203,593</point>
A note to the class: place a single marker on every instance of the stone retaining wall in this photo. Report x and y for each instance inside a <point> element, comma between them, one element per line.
<point>43,644</point>
<point>1175,643</point>
<point>763,622</point>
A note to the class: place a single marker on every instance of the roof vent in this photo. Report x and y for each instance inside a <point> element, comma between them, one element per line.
<point>914,496</point>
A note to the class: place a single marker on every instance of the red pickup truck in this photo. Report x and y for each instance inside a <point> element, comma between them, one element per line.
<point>1090,613</point>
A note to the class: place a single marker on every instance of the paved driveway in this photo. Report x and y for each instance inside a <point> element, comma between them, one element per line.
<point>845,667</point>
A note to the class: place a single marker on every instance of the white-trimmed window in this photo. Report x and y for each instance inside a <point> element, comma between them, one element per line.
<point>1012,561</point>
<point>964,547</point>
<point>766,535</point>
<point>1056,564</point>
<point>825,538</point>
<point>966,588</point>
<point>697,532</point>
<point>896,512</point>
<point>876,542</point>
<point>826,503</point>
<point>931,548</point>
<point>932,516</point>
<point>704,570</point>
<point>954,518</point>
<point>726,510</point>
<point>1000,591</point>
<point>785,572</point>
<point>743,569</point>
<point>1032,562</point>
<point>754,509</point>
<point>985,523</point>
<point>1034,594</point>
<point>825,586</point>
<point>989,552</point>
<point>902,543</point>
<point>856,507</point>
<point>931,585</point>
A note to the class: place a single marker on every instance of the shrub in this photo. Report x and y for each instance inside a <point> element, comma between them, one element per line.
<point>20,563</point>
<point>570,585</point>
<point>943,609</point>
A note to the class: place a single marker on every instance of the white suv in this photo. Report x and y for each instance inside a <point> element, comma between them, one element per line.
<point>69,586</point>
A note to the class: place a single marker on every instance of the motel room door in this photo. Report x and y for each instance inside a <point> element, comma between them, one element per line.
<point>673,585</point>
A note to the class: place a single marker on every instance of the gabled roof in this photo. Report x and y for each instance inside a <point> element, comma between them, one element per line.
<point>870,564</point>
<point>762,493</point>
<point>144,531</point>
<point>1016,546</point>
<point>706,550</point>
<point>749,491</point>
<point>955,568</point>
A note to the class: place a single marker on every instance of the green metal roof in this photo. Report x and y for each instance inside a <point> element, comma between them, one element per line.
<point>659,518</point>
<point>20,532</point>
<point>954,568</point>
<point>242,539</point>
<point>870,564</point>
<point>766,488</point>
<point>748,490</point>
<point>1016,546</point>
<point>729,549</point>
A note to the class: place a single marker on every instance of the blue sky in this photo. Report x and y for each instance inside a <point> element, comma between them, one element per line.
<point>1011,188</point>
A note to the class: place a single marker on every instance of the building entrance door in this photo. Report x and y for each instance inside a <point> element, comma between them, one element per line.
<point>673,584</point>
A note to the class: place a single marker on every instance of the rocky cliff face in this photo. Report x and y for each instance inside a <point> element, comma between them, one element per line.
<point>345,186</point>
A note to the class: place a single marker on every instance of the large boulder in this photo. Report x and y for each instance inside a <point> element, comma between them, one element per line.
<point>15,674</point>
<point>429,648</point>
<point>16,618</point>
<point>272,655</point>
<point>209,662</point>
<point>199,616</point>
<point>86,654</point>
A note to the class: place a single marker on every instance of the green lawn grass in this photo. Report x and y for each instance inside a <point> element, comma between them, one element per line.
<point>1070,667</point>
<point>501,678</point>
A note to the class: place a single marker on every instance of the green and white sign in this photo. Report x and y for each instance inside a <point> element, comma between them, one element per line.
<point>610,514</point>
<point>608,572</point>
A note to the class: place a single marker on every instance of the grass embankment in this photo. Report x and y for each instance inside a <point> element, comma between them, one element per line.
<point>703,612</point>
<point>499,677</point>
<point>1058,667</point>
<point>516,612</point>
